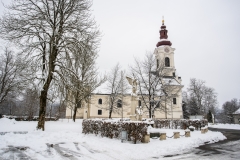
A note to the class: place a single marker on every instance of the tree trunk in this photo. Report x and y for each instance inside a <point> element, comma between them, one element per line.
<point>75,112</point>
<point>42,110</point>
<point>44,92</point>
<point>77,105</point>
<point>150,114</point>
<point>50,116</point>
<point>110,113</point>
<point>165,108</point>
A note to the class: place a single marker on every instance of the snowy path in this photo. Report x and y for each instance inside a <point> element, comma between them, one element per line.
<point>81,151</point>
<point>60,151</point>
<point>14,153</point>
<point>228,149</point>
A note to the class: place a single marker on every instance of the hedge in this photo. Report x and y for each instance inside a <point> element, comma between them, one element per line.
<point>112,129</point>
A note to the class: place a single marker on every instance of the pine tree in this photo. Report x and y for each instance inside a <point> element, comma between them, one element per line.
<point>209,116</point>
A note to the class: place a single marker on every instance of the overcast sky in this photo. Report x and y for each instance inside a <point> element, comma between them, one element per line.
<point>205,34</point>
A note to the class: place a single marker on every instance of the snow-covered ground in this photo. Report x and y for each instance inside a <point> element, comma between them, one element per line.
<point>63,139</point>
<point>225,126</point>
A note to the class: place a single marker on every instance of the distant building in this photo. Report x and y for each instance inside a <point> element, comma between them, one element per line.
<point>163,53</point>
<point>236,117</point>
<point>196,117</point>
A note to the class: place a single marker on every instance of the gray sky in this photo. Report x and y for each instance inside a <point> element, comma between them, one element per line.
<point>205,34</point>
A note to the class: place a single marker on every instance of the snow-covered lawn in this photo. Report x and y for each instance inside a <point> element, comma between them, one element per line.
<point>225,126</point>
<point>68,141</point>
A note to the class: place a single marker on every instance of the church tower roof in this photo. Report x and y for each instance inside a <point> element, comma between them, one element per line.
<point>163,36</point>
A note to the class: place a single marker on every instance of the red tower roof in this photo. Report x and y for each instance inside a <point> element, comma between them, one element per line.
<point>163,36</point>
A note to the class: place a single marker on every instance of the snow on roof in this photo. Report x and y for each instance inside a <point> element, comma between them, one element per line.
<point>102,89</point>
<point>237,112</point>
<point>171,81</point>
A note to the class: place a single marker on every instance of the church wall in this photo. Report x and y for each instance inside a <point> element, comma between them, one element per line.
<point>70,107</point>
<point>160,114</point>
<point>69,112</point>
<point>92,112</point>
<point>104,107</point>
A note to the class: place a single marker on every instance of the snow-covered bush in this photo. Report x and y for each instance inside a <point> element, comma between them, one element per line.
<point>112,128</point>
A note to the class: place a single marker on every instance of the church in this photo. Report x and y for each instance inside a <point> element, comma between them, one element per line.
<point>172,106</point>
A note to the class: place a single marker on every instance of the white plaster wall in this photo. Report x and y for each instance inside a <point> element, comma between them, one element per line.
<point>94,107</point>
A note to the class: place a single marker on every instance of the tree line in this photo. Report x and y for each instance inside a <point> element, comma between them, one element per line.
<point>199,99</point>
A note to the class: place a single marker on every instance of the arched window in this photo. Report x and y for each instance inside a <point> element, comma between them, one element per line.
<point>174,100</point>
<point>139,103</point>
<point>167,62</point>
<point>157,63</point>
<point>119,103</point>
<point>99,112</point>
<point>100,101</point>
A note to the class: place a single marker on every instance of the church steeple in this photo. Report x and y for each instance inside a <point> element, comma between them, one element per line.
<point>163,36</point>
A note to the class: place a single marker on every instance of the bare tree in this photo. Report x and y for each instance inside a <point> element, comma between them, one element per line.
<point>9,107</point>
<point>51,100</point>
<point>11,75</point>
<point>156,89</point>
<point>44,30</point>
<point>199,98</point>
<point>29,105</point>
<point>196,90</point>
<point>190,105</point>
<point>210,100</point>
<point>83,78</point>
<point>117,88</point>
<point>228,108</point>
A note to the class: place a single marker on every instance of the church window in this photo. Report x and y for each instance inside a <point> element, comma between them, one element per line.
<point>100,101</point>
<point>139,103</point>
<point>157,63</point>
<point>174,75</point>
<point>167,62</point>
<point>158,105</point>
<point>99,112</point>
<point>119,103</point>
<point>174,100</point>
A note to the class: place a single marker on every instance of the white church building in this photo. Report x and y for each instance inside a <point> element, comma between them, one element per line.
<point>173,110</point>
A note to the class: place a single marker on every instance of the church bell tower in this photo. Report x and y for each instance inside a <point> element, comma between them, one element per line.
<point>171,82</point>
<point>164,53</point>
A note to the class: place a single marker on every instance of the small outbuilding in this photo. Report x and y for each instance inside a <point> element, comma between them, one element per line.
<point>236,117</point>
<point>200,117</point>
